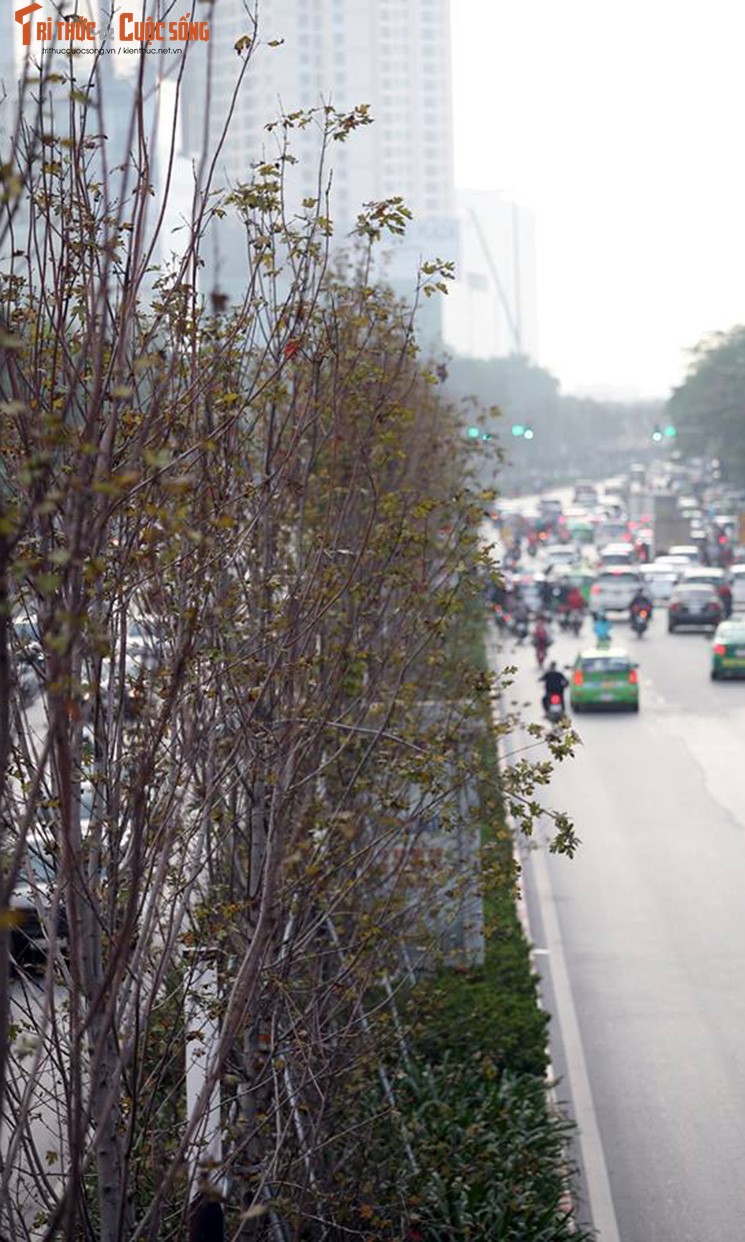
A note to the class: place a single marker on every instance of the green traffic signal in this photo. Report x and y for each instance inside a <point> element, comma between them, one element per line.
<point>474,433</point>
<point>518,429</point>
<point>671,431</point>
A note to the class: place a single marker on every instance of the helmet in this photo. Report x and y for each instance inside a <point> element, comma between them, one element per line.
<point>552,666</point>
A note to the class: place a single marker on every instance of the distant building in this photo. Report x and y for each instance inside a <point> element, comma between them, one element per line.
<point>491,310</point>
<point>120,158</point>
<point>393,55</point>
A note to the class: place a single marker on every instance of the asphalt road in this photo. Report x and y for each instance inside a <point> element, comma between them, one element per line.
<point>640,940</point>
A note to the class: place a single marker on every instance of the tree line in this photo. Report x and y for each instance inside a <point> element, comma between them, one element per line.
<point>233,814</point>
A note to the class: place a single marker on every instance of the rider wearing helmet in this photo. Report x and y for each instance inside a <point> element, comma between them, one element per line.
<point>555,683</point>
<point>642,601</point>
<point>602,628</point>
<point>575,600</point>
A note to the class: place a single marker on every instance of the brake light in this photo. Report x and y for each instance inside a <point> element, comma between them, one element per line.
<point>555,698</point>
<point>578,677</point>
<point>633,677</point>
<point>674,606</point>
<point>719,649</point>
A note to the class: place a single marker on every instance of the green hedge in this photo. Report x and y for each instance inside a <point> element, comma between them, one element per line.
<point>492,1157</point>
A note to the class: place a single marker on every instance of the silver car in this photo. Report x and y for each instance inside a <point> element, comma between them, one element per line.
<point>614,589</point>
<point>660,579</point>
<point>737,579</point>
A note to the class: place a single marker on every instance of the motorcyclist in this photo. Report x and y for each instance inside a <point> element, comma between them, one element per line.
<point>520,617</point>
<point>575,601</point>
<point>642,601</point>
<point>541,639</point>
<point>555,683</point>
<point>602,628</point>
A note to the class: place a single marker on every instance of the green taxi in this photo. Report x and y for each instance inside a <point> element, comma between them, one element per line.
<point>604,677</point>
<point>580,531</point>
<point>728,650</point>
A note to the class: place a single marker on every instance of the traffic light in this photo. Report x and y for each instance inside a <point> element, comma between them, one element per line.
<point>671,431</point>
<point>518,429</point>
<point>656,435</point>
<point>528,433</point>
<point>473,433</point>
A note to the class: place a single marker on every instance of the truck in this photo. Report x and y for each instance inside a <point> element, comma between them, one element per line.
<point>670,525</point>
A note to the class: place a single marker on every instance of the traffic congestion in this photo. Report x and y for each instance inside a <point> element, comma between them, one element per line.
<point>603,563</point>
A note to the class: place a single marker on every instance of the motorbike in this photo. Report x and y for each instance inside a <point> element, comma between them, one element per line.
<point>640,621</point>
<point>520,628</point>
<point>571,621</point>
<point>554,709</point>
<point>500,617</point>
<point>541,646</point>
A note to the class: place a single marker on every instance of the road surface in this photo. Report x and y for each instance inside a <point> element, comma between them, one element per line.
<point>640,941</point>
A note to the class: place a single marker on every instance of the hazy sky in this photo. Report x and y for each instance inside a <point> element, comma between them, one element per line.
<point>623,126</point>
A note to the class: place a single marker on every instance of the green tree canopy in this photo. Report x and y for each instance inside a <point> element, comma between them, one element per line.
<point>708,408</point>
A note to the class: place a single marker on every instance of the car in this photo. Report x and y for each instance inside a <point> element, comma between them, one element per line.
<point>737,580</point>
<point>687,552</point>
<point>660,580</point>
<point>617,554</point>
<point>530,587</point>
<point>716,577</point>
<point>728,650</point>
<point>614,589</point>
<point>580,530</point>
<point>611,532</point>
<point>36,920</point>
<point>694,604</point>
<point>561,554</point>
<point>604,677</point>
<point>585,494</point>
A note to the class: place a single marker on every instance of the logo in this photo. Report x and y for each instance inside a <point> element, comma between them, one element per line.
<point>23,17</point>
<point>77,29</point>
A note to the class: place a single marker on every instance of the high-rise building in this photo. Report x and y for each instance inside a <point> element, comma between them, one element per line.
<point>393,55</point>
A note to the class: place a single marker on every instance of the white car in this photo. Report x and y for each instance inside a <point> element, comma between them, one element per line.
<point>737,580</point>
<point>617,554</point>
<point>611,532</point>
<point>614,589</point>
<point>562,554</point>
<point>660,579</point>
<point>687,551</point>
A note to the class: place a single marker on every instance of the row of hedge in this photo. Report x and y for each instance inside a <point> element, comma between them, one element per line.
<point>488,1146</point>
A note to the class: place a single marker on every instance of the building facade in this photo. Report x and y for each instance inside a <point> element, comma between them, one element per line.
<point>393,55</point>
